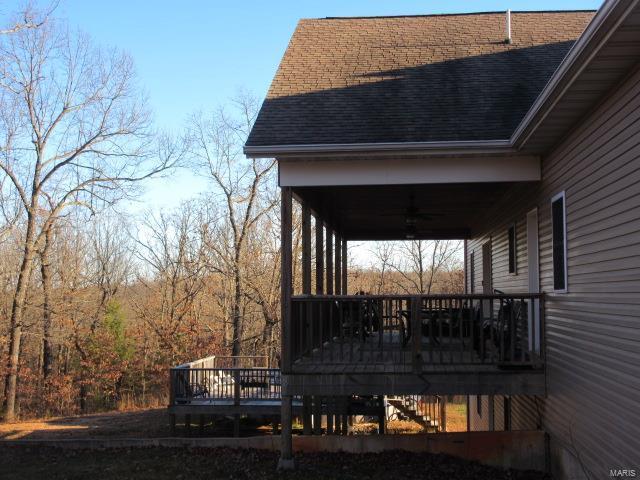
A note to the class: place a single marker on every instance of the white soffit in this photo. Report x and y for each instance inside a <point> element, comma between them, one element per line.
<point>407,171</point>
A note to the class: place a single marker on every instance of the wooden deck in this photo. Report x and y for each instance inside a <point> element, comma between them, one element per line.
<point>364,345</point>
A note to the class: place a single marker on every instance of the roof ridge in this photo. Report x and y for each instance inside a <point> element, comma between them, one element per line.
<point>459,14</point>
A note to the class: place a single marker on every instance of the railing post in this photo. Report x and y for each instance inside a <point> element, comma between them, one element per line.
<point>172,390</point>
<point>286,278</point>
<point>236,387</point>
<point>416,335</point>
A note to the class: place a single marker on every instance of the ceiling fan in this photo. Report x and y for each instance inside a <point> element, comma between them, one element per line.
<point>413,215</point>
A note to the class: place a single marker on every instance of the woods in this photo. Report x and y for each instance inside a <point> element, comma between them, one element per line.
<point>97,302</point>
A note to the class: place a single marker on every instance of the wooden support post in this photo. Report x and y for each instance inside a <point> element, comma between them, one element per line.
<point>338,270</point>
<point>236,387</point>
<point>236,425</point>
<point>317,415</point>
<point>330,414</point>
<point>306,415</point>
<point>187,424</point>
<point>286,278</point>
<point>382,417</point>
<point>286,447</point>
<point>329,261</point>
<point>306,290</point>
<point>492,423</point>
<point>201,425</point>
<point>344,267</point>
<point>319,256</point>
<point>346,418</point>
<point>443,413</point>
<point>306,250</point>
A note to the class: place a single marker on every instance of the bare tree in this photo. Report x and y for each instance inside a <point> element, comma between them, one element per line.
<point>419,263</point>
<point>75,133</point>
<point>383,253</point>
<point>173,273</point>
<point>29,18</point>
<point>243,186</point>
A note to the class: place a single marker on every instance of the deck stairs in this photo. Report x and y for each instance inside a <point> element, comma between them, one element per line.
<point>409,408</point>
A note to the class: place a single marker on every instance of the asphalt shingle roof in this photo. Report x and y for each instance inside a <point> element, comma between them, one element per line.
<point>412,79</point>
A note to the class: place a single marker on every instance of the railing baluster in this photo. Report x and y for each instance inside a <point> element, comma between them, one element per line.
<point>321,320</point>
<point>450,330</point>
<point>440,336</point>
<point>341,319</point>
<point>351,333</point>
<point>361,328</point>
<point>481,324</point>
<point>331,343</point>
<point>429,318</point>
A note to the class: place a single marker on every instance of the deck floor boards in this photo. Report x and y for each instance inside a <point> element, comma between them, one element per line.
<point>450,356</point>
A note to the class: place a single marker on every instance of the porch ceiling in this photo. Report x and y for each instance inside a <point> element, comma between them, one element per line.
<point>443,211</point>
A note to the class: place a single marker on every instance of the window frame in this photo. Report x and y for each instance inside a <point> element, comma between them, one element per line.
<point>555,198</point>
<point>512,249</point>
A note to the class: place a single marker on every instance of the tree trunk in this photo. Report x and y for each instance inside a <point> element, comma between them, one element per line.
<point>45,270</point>
<point>237,299</point>
<point>17,312</point>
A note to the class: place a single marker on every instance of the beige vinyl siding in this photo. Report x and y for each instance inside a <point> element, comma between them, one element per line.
<point>593,331</point>
<point>526,412</point>
<point>478,422</point>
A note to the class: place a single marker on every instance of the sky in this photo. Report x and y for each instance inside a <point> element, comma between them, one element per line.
<point>194,55</point>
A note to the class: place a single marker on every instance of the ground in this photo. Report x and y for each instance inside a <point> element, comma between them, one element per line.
<point>154,423</point>
<point>151,423</point>
<point>33,462</point>
<point>20,463</point>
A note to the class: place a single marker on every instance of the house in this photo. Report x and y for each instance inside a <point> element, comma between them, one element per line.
<point>518,132</point>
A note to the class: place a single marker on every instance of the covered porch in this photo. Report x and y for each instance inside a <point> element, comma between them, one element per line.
<point>337,343</point>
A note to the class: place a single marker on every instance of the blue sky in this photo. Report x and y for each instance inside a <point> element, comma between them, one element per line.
<point>194,54</point>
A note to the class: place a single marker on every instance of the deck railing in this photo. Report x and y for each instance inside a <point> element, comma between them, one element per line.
<point>413,332</point>
<point>202,381</point>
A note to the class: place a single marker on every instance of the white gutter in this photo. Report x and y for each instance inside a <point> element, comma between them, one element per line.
<point>569,61</point>
<point>464,146</point>
<point>481,146</point>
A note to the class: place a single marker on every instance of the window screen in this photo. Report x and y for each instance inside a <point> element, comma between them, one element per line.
<point>512,249</point>
<point>559,243</point>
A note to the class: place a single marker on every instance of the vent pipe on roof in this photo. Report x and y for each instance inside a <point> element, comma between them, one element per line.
<point>508,37</point>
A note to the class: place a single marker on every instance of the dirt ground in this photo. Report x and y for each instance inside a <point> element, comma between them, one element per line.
<point>141,424</point>
<point>193,464</point>
<point>153,423</point>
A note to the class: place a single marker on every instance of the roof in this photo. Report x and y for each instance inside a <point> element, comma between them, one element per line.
<point>434,78</point>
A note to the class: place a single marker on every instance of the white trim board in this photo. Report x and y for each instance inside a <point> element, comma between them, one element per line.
<point>407,171</point>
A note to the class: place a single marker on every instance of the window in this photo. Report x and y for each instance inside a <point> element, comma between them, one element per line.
<point>512,249</point>
<point>559,242</point>
<point>472,273</point>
